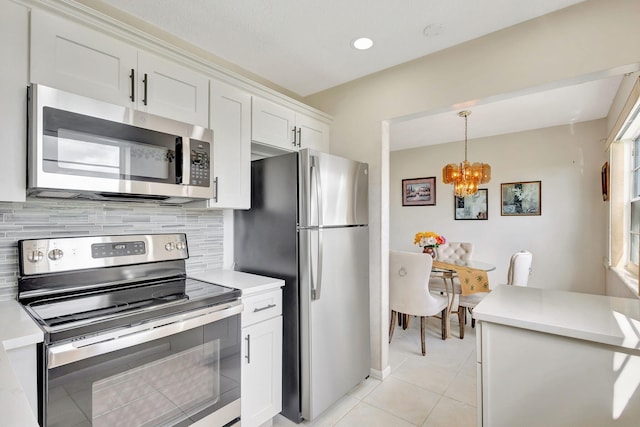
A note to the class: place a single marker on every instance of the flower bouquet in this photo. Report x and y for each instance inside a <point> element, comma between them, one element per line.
<point>429,240</point>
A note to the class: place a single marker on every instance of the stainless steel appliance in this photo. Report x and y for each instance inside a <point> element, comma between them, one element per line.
<point>84,148</point>
<point>129,339</point>
<point>308,225</point>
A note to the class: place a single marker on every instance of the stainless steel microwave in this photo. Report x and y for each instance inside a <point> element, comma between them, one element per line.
<point>84,148</point>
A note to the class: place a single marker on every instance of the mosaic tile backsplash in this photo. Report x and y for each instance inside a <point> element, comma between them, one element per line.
<point>44,218</point>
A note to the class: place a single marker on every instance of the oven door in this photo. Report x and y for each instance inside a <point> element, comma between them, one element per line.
<point>169,372</point>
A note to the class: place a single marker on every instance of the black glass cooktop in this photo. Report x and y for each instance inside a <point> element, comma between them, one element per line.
<point>90,312</point>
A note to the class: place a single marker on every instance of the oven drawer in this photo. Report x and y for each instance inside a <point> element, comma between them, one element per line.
<point>261,307</point>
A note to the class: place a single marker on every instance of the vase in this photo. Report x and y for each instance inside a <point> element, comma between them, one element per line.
<point>431,250</point>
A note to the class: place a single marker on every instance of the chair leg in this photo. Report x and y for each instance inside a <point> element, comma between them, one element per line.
<point>423,326</point>
<point>443,323</point>
<point>399,319</point>
<point>473,321</point>
<point>392,325</point>
<point>462,320</point>
<point>406,319</point>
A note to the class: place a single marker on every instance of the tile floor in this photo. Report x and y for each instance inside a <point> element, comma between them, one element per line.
<point>438,389</point>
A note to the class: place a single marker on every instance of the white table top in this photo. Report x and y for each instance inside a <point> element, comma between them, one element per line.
<point>597,318</point>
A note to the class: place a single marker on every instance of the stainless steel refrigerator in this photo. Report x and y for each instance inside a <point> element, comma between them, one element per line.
<point>308,225</point>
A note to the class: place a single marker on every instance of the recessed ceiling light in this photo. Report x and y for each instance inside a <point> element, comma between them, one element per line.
<point>362,43</point>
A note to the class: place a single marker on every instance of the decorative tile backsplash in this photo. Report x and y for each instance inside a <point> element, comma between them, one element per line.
<point>50,218</point>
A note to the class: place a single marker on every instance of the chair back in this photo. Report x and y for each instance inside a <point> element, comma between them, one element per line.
<point>455,251</point>
<point>519,268</point>
<point>409,284</point>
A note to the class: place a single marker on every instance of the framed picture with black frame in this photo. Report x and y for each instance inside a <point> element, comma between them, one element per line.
<point>521,198</point>
<point>419,191</point>
<point>474,207</point>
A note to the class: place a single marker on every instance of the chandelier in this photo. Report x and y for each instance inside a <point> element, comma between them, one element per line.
<point>465,177</point>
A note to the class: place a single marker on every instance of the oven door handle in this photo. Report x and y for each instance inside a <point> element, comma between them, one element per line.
<point>63,354</point>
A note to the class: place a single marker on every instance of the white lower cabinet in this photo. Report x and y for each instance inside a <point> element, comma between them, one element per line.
<point>262,358</point>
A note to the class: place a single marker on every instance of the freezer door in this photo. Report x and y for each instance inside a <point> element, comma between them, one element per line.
<point>333,190</point>
<point>334,314</point>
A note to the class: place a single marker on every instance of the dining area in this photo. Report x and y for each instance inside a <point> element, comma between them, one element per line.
<point>443,281</point>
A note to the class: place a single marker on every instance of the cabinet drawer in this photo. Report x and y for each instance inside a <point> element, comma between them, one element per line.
<point>261,307</point>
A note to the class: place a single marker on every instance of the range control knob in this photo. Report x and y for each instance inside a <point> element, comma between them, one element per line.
<point>170,246</point>
<point>180,245</point>
<point>55,254</point>
<point>35,256</point>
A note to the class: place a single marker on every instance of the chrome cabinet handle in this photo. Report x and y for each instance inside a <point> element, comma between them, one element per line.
<point>294,142</point>
<point>248,356</point>
<point>132,77</point>
<point>215,195</point>
<point>267,307</point>
<point>299,137</point>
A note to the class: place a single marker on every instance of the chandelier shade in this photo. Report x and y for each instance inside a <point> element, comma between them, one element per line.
<point>466,176</point>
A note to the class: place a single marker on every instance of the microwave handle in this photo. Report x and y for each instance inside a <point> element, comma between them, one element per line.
<point>179,161</point>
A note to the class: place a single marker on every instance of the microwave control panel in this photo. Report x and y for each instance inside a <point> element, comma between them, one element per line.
<point>200,174</point>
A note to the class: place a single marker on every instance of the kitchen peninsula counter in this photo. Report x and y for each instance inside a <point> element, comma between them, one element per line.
<point>548,357</point>
<point>18,331</point>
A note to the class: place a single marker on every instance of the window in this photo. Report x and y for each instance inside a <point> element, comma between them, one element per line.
<point>634,202</point>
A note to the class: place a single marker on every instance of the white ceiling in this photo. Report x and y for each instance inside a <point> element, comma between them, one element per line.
<point>568,103</point>
<point>304,46</point>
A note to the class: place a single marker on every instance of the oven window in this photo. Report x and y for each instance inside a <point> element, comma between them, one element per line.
<point>170,381</point>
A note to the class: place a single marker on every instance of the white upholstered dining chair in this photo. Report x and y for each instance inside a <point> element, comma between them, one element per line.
<point>518,275</point>
<point>409,291</point>
<point>449,252</point>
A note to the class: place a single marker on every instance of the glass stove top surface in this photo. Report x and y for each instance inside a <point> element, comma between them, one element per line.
<point>101,305</point>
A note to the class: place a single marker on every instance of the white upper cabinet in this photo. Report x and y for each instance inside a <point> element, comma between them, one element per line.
<point>273,124</point>
<point>168,89</point>
<point>312,133</point>
<point>14,51</point>
<point>284,128</point>
<point>231,124</point>
<point>75,58</point>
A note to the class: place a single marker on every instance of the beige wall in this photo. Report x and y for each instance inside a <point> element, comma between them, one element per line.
<point>590,37</point>
<point>567,240</point>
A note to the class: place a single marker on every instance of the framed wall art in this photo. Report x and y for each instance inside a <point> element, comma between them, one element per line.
<point>521,198</point>
<point>472,207</point>
<point>419,191</point>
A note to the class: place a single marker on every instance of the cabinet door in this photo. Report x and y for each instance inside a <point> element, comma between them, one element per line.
<point>261,372</point>
<point>69,56</point>
<point>272,124</point>
<point>171,90</point>
<point>14,48</point>
<point>312,133</point>
<point>231,124</point>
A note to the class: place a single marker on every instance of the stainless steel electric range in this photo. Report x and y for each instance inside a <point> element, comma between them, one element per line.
<point>129,338</point>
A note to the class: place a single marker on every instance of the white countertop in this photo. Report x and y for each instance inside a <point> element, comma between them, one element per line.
<point>248,283</point>
<point>597,318</point>
<point>17,330</point>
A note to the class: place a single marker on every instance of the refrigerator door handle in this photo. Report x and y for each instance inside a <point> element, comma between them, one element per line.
<point>315,290</point>
<point>317,286</point>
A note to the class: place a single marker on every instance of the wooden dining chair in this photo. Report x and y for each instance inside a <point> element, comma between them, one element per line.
<point>409,291</point>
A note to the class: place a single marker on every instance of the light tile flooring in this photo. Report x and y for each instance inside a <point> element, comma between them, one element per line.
<point>435,390</point>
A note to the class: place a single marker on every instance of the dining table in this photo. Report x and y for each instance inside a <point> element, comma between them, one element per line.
<point>447,270</point>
